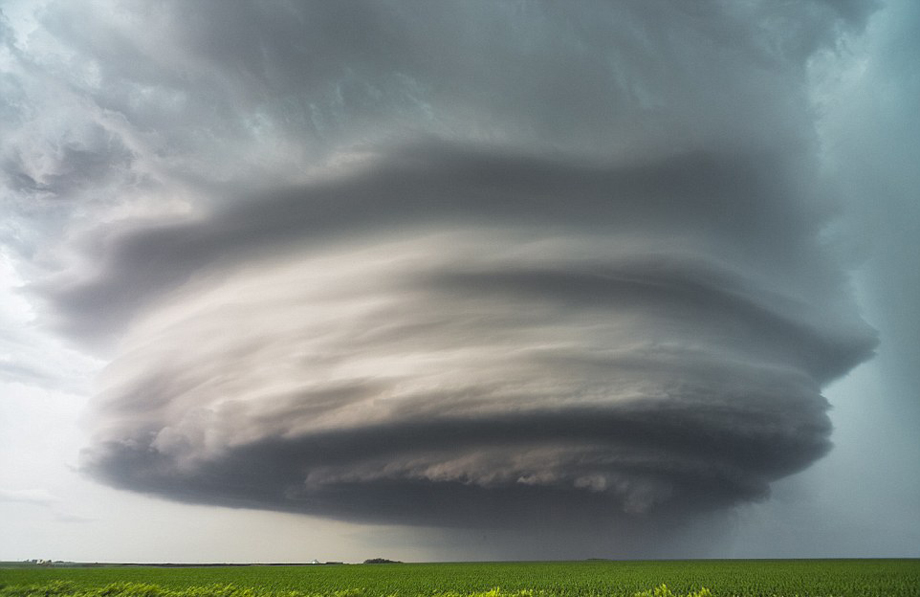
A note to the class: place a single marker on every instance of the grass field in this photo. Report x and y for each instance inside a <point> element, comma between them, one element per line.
<point>838,578</point>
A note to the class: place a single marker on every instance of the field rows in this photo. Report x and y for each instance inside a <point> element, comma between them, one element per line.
<point>812,578</point>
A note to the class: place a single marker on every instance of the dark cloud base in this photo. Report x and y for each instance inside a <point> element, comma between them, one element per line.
<point>702,462</point>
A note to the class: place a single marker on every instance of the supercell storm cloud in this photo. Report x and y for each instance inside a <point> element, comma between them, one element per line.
<point>488,331</point>
<point>459,263</point>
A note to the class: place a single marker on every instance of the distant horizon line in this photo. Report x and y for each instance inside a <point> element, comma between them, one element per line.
<point>91,564</point>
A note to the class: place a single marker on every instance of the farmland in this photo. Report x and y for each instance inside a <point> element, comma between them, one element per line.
<point>838,578</point>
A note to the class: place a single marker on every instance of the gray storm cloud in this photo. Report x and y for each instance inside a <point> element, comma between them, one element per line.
<point>454,264</point>
<point>472,339</point>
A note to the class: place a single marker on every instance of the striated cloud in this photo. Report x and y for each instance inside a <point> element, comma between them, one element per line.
<point>457,264</point>
<point>487,336</point>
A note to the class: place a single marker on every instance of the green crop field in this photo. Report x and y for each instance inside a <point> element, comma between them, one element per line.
<point>838,578</point>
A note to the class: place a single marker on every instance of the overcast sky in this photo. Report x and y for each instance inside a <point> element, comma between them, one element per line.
<point>459,280</point>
